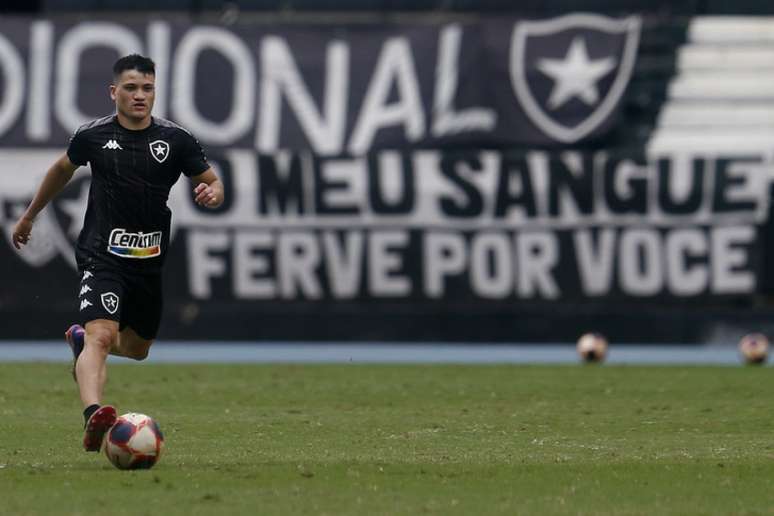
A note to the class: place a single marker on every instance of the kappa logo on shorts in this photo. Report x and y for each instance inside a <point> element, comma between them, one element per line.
<point>159,150</point>
<point>84,289</point>
<point>85,303</point>
<point>110,302</point>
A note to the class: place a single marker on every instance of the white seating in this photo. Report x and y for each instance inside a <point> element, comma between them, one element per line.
<point>712,140</point>
<point>722,98</point>
<point>726,57</point>
<point>723,85</point>
<point>731,29</point>
<point>753,115</point>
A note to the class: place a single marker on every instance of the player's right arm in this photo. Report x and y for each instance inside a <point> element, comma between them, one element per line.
<point>58,175</point>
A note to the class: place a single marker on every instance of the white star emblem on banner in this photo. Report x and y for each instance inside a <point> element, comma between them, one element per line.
<point>576,75</point>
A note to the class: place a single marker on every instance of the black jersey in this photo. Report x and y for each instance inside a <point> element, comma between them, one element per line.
<point>127,220</point>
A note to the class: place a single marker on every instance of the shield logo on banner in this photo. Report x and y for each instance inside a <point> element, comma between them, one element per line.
<point>570,72</point>
<point>45,245</point>
<point>110,302</point>
<point>57,227</point>
<point>159,150</point>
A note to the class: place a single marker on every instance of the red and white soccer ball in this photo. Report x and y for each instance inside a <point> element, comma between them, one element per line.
<point>754,348</point>
<point>592,347</point>
<point>135,441</point>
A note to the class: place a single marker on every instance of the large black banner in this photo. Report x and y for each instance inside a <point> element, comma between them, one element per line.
<point>388,181</point>
<point>428,225</point>
<point>425,231</point>
<point>332,89</point>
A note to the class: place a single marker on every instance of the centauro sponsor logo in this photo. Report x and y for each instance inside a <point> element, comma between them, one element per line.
<point>134,245</point>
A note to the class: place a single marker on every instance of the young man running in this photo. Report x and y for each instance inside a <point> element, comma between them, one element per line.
<point>135,159</point>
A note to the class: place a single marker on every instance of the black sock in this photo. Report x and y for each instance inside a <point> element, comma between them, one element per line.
<point>91,409</point>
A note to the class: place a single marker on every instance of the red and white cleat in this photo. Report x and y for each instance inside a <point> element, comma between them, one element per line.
<point>97,426</point>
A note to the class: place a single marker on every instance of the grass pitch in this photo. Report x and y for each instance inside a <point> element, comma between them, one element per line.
<point>364,439</point>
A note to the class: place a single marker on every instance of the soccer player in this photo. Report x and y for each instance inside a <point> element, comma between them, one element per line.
<point>135,159</point>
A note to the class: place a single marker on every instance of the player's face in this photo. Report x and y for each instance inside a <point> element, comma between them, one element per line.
<point>134,93</point>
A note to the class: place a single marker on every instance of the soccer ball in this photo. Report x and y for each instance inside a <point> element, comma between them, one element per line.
<point>134,442</point>
<point>754,348</point>
<point>592,347</point>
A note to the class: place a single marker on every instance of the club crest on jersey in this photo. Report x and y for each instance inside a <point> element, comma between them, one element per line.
<point>134,245</point>
<point>159,149</point>
<point>109,302</point>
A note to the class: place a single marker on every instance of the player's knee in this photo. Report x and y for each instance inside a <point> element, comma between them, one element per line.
<point>100,338</point>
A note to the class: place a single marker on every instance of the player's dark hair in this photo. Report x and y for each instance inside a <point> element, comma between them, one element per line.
<point>134,62</point>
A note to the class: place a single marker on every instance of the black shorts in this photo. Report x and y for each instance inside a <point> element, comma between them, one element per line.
<point>133,300</point>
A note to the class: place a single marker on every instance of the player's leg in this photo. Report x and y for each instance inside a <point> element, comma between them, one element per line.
<point>91,369</point>
<point>100,303</point>
<point>132,345</point>
<point>91,375</point>
<point>102,295</point>
<point>128,344</point>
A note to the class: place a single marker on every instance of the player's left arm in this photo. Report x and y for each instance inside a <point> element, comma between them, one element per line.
<point>208,189</point>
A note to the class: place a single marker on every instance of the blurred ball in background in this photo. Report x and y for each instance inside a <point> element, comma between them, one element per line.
<point>592,347</point>
<point>754,348</point>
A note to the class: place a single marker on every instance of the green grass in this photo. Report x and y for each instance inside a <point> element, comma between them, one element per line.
<point>370,440</point>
